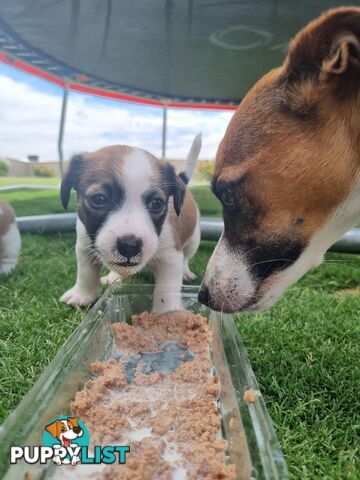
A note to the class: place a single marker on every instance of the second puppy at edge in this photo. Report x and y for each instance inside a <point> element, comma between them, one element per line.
<point>133,210</point>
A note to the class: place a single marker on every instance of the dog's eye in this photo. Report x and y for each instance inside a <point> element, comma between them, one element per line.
<point>98,200</point>
<point>227,197</point>
<point>63,429</point>
<point>156,205</point>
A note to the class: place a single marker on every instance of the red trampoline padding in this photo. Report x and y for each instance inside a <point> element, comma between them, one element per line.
<point>78,87</point>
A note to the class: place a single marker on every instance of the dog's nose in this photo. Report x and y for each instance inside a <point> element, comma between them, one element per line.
<point>129,246</point>
<point>77,429</point>
<point>204,296</point>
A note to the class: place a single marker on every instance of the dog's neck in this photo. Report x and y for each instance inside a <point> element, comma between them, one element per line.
<point>351,112</point>
<point>343,218</point>
<point>348,212</point>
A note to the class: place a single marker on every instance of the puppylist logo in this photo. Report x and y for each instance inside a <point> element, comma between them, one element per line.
<point>66,441</point>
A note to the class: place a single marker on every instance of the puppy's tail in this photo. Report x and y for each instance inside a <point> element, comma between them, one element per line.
<point>191,160</point>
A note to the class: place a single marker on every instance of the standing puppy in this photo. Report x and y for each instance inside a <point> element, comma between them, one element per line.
<point>288,168</point>
<point>133,210</point>
<point>10,241</point>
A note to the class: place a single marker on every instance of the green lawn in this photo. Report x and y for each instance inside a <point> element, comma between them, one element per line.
<point>52,181</point>
<point>47,201</point>
<point>39,202</point>
<point>209,204</point>
<point>305,351</point>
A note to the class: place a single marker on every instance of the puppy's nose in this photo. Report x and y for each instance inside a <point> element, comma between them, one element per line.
<point>129,246</point>
<point>77,429</point>
<point>204,296</point>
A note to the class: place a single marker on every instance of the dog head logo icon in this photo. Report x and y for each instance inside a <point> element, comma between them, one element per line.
<point>66,435</point>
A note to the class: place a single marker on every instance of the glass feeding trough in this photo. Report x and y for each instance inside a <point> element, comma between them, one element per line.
<point>251,443</point>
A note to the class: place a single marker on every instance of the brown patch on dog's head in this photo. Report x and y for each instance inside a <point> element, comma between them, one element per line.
<point>73,421</point>
<point>104,164</point>
<point>290,155</point>
<point>327,51</point>
<point>74,424</point>
<point>54,428</point>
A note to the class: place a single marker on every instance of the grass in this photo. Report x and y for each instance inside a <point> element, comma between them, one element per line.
<point>39,202</point>
<point>304,351</point>
<point>47,201</point>
<point>209,204</point>
<point>53,181</point>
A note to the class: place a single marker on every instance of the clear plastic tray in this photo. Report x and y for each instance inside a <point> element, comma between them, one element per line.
<point>252,444</point>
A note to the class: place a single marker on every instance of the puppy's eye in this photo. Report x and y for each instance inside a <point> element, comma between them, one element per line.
<point>63,429</point>
<point>156,205</point>
<point>98,200</point>
<point>227,197</point>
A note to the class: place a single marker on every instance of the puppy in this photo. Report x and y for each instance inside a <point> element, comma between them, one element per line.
<point>288,168</point>
<point>10,241</point>
<point>65,431</point>
<point>133,210</point>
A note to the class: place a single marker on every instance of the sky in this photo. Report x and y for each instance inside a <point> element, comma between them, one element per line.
<point>30,112</point>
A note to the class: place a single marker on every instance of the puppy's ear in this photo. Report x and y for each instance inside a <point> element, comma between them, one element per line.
<point>176,187</point>
<point>327,50</point>
<point>54,428</point>
<point>71,179</point>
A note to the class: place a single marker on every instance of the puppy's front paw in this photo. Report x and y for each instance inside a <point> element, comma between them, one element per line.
<point>110,278</point>
<point>189,275</point>
<point>78,297</point>
<point>7,266</point>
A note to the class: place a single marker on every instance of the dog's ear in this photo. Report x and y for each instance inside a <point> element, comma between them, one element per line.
<point>327,50</point>
<point>54,428</point>
<point>71,179</point>
<point>73,421</point>
<point>176,187</point>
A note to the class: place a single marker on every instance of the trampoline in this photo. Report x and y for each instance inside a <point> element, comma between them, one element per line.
<point>170,53</point>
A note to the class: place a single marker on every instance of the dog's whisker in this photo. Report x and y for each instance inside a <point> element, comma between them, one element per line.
<point>271,260</point>
<point>251,250</point>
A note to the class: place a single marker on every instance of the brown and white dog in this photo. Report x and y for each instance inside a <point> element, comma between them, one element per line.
<point>288,168</point>
<point>66,431</point>
<point>10,241</point>
<point>133,210</point>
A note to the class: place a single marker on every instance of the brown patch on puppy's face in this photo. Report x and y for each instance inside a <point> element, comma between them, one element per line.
<point>289,159</point>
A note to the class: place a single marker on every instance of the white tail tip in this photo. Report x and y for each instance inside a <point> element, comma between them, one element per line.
<point>193,156</point>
